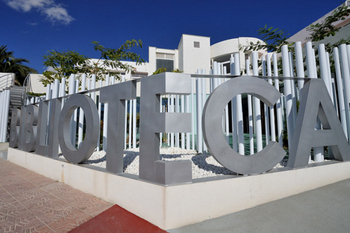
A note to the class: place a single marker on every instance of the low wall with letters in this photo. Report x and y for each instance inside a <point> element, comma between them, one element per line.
<point>178,205</point>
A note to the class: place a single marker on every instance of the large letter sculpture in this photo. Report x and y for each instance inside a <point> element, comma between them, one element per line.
<point>115,96</point>
<point>30,128</point>
<point>87,147</point>
<point>41,143</point>
<point>153,122</point>
<point>52,149</point>
<point>15,127</point>
<point>214,136</point>
<point>316,102</point>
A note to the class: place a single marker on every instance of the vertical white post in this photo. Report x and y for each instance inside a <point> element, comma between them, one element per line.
<point>257,106</point>
<point>278,104</point>
<point>161,110</point>
<point>183,110</point>
<point>292,86</point>
<point>177,110</point>
<point>233,111</point>
<point>134,130</point>
<point>99,115</point>
<point>340,92</point>
<point>204,99</point>
<point>330,83</point>
<point>199,114</point>
<point>130,123</point>
<point>172,109</point>
<point>193,113</point>
<point>272,108</point>
<point>62,88</point>
<point>81,113</point>
<point>2,113</point>
<point>188,141</point>
<point>239,110</point>
<point>105,119</point>
<point>72,123</point>
<point>344,64</point>
<point>93,86</point>
<point>126,125</point>
<point>299,65</point>
<point>250,114</point>
<point>288,94</point>
<point>324,70</point>
<point>168,110</point>
<point>3,124</point>
<point>266,109</point>
<point>7,101</point>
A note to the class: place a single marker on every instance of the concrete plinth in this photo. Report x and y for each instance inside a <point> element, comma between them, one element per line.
<point>171,207</point>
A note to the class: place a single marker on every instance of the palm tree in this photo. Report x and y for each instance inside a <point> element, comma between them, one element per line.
<point>10,64</point>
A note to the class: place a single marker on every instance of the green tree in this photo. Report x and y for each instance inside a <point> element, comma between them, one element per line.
<point>63,63</point>
<point>110,61</point>
<point>10,64</point>
<point>319,31</point>
<point>273,40</point>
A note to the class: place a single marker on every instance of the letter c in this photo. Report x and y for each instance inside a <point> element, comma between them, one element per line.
<point>212,126</point>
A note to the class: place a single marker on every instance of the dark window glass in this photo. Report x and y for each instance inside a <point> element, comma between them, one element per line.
<point>168,64</point>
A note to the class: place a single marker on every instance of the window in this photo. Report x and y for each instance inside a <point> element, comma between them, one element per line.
<point>165,56</point>
<point>167,64</point>
<point>196,44</point>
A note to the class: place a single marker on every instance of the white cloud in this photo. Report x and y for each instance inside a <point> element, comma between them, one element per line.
<point>58,14</point>
<point>54,12</point>
<point>27,5</point>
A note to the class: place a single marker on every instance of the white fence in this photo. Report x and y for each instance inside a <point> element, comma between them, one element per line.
<point>247,123</point>
<point>4,113</point>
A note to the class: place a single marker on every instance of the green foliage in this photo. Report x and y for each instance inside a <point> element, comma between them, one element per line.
<point>162,70</point>
<point>10,64</point>
<point>177,71</point>
<point>109,62</point>
<point>35,94</point>
<point>64,64</point>
<point>111,59</point>
<point>319,31</point>
<point>274,39</point>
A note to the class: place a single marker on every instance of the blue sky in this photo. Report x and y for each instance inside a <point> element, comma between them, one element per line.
<point>32,27</point>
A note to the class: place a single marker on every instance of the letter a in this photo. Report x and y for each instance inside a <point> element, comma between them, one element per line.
<point>316,102</point>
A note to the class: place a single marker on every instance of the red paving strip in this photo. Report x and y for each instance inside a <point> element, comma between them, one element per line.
<point>117,220</point>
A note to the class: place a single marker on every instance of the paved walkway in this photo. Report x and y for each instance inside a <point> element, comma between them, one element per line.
<point>323,210</point>
<point>30,202</point>
<point>33,203</point>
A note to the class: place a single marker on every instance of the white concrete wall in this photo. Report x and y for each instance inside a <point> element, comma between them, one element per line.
<point>222,51</point>
<point>191,58</point>
<point>35,85</point>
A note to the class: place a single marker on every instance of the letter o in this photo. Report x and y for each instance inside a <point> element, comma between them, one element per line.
<point>212,126</point>
<point>92,126</point>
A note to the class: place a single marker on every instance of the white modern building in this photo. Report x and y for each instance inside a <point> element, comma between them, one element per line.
<point>193,53</point>
<point>196,52</point>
